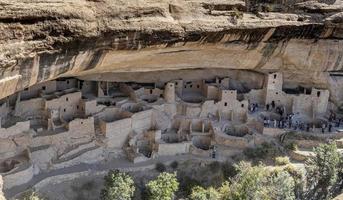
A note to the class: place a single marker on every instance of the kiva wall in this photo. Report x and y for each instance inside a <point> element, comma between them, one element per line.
<point>168,149</point>
<point>18,178</point>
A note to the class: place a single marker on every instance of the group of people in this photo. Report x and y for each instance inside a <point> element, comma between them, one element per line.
<point>289,123</point>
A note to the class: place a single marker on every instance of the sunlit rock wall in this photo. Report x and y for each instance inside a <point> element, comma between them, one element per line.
<point>105,40</point>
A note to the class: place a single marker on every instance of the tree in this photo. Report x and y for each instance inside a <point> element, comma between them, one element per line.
<point>322,172</point>
<point>338,188</point>
<point>200,193</point>
<point>256,182</point>
<point>118,186</point>
<point>249,183</point>
<point>163,187</point>
<point>281,186</point>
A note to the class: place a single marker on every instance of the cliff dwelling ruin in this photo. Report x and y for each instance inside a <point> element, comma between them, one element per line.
<point>87,86</point>
<point>68,121</point>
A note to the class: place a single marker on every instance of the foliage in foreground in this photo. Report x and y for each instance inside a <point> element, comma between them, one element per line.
<point>255,182</point>
<point>163,187</point>
<point>251,182</point>
<point>118,186</point>
<point>31,195</point>
<point>324,173</point>
<point>323,180</point>
<point>200,193</point>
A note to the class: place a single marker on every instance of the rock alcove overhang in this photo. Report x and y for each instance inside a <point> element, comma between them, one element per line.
<point>305,54</point>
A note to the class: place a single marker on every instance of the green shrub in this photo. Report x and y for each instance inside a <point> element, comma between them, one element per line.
<point>255,182</point>
<point>160,167</point>
<point>174,165</point>
<point>200,193</point>
<point>323,171</point>
<point>292,146</point>
<point>282,160</point>
<point>163,187</point>
<point>118,185</point>
<point>31,195</point>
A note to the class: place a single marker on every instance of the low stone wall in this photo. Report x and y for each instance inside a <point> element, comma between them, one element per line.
<point>165,149</point>
<point>200,152</point>
<point>18,178</point>
<point>92,156</point>
<point>232,141</point>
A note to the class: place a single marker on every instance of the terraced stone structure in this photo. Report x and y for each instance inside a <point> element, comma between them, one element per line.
<point>84,81</point>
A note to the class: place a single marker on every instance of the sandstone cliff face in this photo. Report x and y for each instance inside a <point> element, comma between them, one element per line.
<point>42,39</point>
<point>2,197</point>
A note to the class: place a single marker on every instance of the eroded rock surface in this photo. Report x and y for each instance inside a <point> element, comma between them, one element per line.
<point>1,186</point>
<point>41,40</point>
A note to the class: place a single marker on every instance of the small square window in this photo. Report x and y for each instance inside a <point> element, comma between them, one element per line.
<point>77,107</point>
<point>67,99</point>
<point>242,105</point>
<point>225,104</point>
<point>68,82</point>
<point>64,110</point>
<point>43,87</point>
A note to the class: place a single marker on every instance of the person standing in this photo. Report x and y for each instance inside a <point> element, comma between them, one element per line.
<point>323,127</point>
